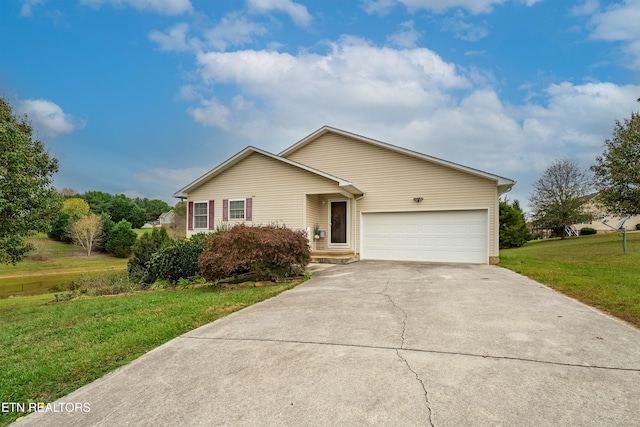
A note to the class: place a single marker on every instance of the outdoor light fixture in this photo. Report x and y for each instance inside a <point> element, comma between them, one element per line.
<point>418,199</point>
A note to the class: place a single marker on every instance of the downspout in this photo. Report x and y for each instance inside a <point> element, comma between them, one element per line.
<point>355,214</point>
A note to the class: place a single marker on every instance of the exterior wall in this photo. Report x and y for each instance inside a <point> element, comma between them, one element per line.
<point>391,180</point>
<point>278,191</point>
<point>613,221</point>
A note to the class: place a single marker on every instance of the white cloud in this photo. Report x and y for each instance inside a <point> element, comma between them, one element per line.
<point>175,39</point>
<point>296,11</point>
<point>619,22</point>
<point>355,81</point>
<point>473,6</point>
<point>234,29</point>
<point>47,118</point>
<point>165,7</point>
<point>407,36</point>
<point>464,30</point>
<point>28,6</point>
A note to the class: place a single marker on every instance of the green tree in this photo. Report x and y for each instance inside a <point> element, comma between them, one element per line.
<point>514,231</point>
<point>120,239</point>
<point>28,201</point>
<point>143,249</point>
<point>153,208</point>
<point>558,196</point>
<point>617,170</point>
<point>123,207</point>
<point>99,201</point>
<point>76,206</point>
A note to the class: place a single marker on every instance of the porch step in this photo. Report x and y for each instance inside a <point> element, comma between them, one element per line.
<point>333,258</point>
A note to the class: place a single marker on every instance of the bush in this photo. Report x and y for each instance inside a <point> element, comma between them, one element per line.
<point>143,249</point>
<point>120,239</point>
<point>587,231</point>
<point>178,260</point>
<point>101,284</point>
<point>271,253</point>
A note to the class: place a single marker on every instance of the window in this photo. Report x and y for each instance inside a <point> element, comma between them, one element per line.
<point>237,209</point>
<point>200,215</point>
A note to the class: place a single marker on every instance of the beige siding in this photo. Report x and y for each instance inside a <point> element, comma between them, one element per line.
<point>391,180</point>
<point>278,190</point>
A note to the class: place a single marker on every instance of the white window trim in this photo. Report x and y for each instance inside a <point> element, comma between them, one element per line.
<point>206,203</point>
<point>244,211</point>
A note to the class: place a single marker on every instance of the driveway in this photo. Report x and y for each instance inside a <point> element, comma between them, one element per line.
<point>375,343</point>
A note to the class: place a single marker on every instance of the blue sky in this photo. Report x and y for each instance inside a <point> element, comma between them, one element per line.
<point>142,96</point>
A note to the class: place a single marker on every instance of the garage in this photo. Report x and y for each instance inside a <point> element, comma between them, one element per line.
<point>433,236</point>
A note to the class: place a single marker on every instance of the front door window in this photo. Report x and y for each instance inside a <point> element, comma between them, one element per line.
<point>339,223</point>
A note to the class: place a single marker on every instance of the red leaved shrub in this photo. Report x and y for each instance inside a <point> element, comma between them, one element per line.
<point>271,253</point>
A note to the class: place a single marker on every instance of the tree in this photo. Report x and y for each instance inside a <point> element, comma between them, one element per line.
<point>153,208</point>
<point>99,201</point>
<point>617,170</point>
<point>86,232</point>
<point>76,206</point>
<point>514,231</point>
<point>558,196</point>
<point>28,201</point>
<point>123,207</point>
<point>120,239</point>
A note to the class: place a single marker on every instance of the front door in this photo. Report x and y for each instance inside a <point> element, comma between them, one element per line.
<point>339,223</point>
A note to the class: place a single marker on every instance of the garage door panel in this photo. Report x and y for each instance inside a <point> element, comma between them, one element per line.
<point>443,236</point>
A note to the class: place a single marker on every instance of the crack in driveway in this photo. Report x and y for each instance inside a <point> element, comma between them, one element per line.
<point>406,362</point>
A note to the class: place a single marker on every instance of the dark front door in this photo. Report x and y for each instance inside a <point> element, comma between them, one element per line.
<point>339,223</point>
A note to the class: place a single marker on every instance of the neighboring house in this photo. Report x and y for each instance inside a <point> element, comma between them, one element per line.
<point>367,199</point>
<point>599,216</point>
<point>166,218</point>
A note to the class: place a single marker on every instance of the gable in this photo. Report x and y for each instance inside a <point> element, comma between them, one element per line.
<point>328,148</point>
<point>277,165</point>
<point>377,168</point>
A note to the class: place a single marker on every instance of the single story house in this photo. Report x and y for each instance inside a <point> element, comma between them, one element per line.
<point>356,198</point>
<point>601,221</point>
<point>166,218</point>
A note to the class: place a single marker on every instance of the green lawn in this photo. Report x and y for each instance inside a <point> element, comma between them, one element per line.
<point>592,269</point>
<point>47,349</point>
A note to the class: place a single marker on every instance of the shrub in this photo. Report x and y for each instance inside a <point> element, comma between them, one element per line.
<point>587,231</point>
<point>271,253</point>
<point>143,249</point>
<point>101,284</point>
<point>120,239</point>
<point>178,260</point>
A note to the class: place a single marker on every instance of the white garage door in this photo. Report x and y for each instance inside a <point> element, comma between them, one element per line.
<point>442,236</point>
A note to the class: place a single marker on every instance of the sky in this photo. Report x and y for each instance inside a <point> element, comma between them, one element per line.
<point>143,96</point>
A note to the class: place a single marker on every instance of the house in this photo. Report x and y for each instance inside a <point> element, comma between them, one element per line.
<point>601,221</point>
<point>357,198</point>
<point>165,218</point>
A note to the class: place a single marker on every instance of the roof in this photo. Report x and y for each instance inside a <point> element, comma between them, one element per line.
<point>504,184</point>
<point>182,193</point>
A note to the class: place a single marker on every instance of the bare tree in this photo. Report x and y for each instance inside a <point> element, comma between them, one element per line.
<point>86,232</point>
<point>559,195</point>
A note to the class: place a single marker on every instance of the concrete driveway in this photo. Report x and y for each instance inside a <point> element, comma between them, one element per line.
<point>374,343</point>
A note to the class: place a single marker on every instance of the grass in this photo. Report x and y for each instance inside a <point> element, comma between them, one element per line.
<point>592,269</point>
<point>47,349</point>
<point>63,262</point>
